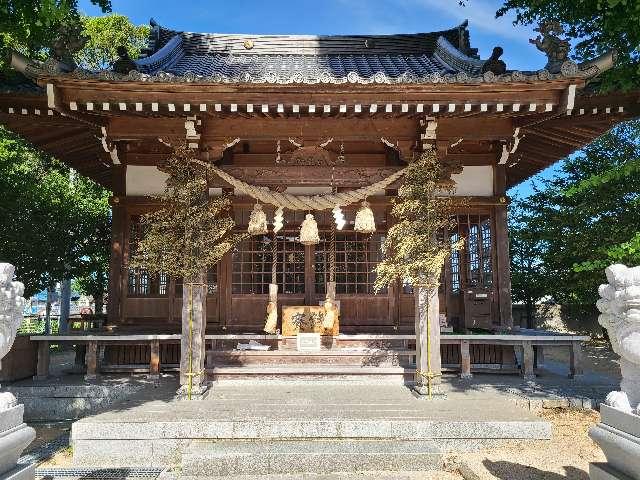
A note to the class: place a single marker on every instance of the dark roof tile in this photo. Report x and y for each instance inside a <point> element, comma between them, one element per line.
<point>306,58</point>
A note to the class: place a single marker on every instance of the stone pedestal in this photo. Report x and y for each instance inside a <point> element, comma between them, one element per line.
<point>618,435</point>
<point>15,436</point>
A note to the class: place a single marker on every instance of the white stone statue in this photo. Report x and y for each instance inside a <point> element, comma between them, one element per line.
<point>15,435</point>
<point>11,307</point>
<point>620,315</point>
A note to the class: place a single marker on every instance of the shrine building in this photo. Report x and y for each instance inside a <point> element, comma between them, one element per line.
<point>306,117</point>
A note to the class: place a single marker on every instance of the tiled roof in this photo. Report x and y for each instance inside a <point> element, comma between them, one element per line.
<point>310,59</point>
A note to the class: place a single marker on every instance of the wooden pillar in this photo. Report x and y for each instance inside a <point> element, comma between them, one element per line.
<point>42,368</point>
<point>309,275</point>
<point>116,262</point>
<point>575,360</point>
<point>465,360</point>
<point>192,347</point>
<point>504,269</point>
<point>527,361</point>
<point>393,293</point>
<point>154,361</point>
<point>171,297</point>
<point>427,306</point>
<point>224,289</point>
<point>91,360</point>
<point>502,249</point>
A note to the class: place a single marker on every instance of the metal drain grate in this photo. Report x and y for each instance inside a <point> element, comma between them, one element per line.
<point>98,473</point>
<point>47,450</point>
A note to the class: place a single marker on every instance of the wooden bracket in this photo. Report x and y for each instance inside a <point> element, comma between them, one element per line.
<point>213,151</point>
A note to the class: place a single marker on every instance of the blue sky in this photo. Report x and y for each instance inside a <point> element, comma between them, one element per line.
<point>341,17</point>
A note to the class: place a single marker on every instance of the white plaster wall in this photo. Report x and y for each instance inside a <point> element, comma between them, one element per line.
<point>474,180</point>
<point>144,180</point>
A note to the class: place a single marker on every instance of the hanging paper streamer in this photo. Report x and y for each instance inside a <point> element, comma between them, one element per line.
<point>338,216</point>
<point>278,220</point>
<point>330,314</point>
<point>257,221</point>
<point>309,231</point>
<point>365,222</point>
<point>271,322</point>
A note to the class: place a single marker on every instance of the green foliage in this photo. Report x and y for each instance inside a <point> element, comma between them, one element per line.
<point>597,26</point>
<point>414,248</point>
<point>64,225</point>
<point>621,173</point>
<point>107,33</point>
<point>581,221</point>
<point>52,222</point>
<point>528,273</point>
<point>92,276</point>
<point>190,232</point>
<point>34,25</point>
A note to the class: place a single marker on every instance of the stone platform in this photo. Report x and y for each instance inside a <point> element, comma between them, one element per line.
<point>319,427</point>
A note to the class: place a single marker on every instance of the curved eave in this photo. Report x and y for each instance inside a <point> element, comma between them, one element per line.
<point>555,138</point>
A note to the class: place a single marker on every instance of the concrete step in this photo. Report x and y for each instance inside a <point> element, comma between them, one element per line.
<point>220,458</point>
<point>312,371</point>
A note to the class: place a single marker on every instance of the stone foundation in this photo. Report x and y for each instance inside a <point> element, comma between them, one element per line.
<point>618,435</point>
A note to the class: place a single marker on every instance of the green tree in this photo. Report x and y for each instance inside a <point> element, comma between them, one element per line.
<point>584,219</point>
<point>190,233</point>
<point>597,26</point>
<point>107,33</point>
<point>528,274</point>
<point>415,250</point>
<point>64,220</point>
<point>34,26</point>
<point>48,216</point>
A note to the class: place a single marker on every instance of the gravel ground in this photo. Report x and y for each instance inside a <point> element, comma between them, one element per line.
<point>565,457</point>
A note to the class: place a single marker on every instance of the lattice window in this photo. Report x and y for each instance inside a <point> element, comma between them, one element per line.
<point>356,258</point>
<point>478,249</point>
<point>473,255</point>
<point>141,283</point>
<point>212,283</point>
<point>455,266</point>
<point>253,260</point>
<point>486,245</point>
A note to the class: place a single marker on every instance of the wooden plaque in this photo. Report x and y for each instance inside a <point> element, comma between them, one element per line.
<point>306,320</point>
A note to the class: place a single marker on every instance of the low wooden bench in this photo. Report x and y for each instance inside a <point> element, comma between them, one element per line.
<point>93,342</point>
<point>531,344</point>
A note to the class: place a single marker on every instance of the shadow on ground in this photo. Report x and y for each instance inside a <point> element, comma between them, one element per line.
<point>514,471</point>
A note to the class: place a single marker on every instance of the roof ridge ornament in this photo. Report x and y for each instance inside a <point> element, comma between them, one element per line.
<point>493,64</point>
<point>555,48</point>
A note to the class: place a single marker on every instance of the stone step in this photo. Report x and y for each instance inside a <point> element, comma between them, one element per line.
<point>361,357</point>
<point>222,458</point>
<point>312,371</point>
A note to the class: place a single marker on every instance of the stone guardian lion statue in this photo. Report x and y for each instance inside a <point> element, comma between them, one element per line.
<point>11,307</point>
<point>620,315</point>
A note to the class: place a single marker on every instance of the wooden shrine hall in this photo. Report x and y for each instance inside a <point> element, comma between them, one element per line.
<point>312,115</point>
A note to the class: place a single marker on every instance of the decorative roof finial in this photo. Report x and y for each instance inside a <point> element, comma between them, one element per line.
<point>123,64</point>
<point>556,49</point>
<point>493,64</point>
<point>68,41</point>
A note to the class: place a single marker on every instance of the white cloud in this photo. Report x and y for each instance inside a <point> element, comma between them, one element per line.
<point>481,15</point>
